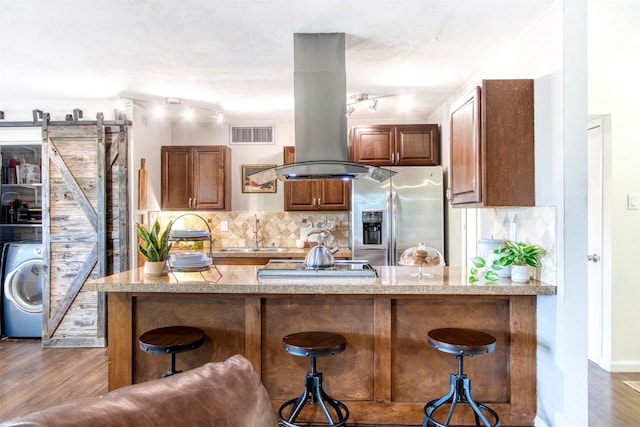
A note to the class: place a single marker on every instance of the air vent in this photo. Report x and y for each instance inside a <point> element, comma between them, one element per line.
<point>251,134</point>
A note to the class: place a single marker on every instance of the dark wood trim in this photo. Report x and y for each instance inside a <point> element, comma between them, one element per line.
<point>120,339</point>
<point>382,350</point>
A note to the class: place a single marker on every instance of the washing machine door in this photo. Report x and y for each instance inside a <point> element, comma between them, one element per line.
<point>23,286</point>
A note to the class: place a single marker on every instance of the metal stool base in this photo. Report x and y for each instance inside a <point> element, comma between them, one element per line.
<point>459,392</point>
<point>172,368</point>
<point>314,394</point>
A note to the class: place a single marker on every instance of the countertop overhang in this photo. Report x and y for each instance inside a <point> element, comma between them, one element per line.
<point>242,280</point>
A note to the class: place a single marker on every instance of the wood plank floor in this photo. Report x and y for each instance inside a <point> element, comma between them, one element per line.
<point>611,402</point>
<point>32,378</point>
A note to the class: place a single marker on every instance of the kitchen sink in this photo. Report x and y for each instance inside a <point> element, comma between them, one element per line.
<point>251,250</point>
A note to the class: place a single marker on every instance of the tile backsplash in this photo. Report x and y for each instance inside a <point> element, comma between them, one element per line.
<point>279,229</point>
<point>536,225</point>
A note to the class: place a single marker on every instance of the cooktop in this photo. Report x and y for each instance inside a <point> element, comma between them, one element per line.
<point>297,268</point>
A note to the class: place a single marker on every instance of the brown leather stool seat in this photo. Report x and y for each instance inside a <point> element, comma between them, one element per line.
<point>314,344</point>
<point>461,342</point>
<point>171,340</point>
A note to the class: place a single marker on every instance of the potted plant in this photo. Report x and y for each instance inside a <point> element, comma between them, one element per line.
<point>153,247</point>
<point>521,257</point>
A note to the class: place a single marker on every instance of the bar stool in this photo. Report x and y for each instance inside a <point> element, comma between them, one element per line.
<point>171,340</point>
<point>314,344</point>
<point>461,342</point>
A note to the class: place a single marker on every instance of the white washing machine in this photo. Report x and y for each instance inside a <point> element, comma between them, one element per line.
<point>22,290</point>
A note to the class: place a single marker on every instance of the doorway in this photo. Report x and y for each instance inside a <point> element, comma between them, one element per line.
<point>599,257</point>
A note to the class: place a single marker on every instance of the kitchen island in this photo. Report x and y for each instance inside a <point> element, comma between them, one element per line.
<point>388,370</point>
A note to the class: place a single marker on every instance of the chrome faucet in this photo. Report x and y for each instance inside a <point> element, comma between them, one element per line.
<point>256,240</point>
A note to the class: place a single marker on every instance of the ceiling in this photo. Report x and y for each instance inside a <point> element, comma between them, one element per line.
<point>236,56</point>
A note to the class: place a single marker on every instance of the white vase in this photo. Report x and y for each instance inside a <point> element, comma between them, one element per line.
<point>485,250</point>
<point>153,268</point>
<point>520,273</point>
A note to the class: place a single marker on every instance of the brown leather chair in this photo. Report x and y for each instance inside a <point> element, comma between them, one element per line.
<point>222,394</point>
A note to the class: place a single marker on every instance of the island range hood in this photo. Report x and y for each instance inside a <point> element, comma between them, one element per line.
<point>320,93</point>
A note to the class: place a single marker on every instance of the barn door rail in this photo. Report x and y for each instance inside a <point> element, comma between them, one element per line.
<point>40,118</point>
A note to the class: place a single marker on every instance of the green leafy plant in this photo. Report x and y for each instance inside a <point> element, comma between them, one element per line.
<point>520,254</point>
<point>483,270</point>
<point>154,242</point>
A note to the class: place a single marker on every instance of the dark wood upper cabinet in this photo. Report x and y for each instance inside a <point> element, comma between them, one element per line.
<point>315,195</point>
<point>395,145</point>
<point>492,146</point>
<point>196,177</point>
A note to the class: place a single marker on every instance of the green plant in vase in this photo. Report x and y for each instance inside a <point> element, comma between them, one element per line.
<point>520,257</point>
<point>154,247</point>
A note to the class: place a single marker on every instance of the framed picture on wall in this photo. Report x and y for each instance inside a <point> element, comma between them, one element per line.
<point>249,186</point>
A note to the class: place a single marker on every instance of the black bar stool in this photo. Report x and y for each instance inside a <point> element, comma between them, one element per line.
<point>171,340</point>
<point>461,342</point>
<point>314,344</point>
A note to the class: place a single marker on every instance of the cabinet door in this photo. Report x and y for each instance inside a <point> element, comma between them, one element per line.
<point>417,145</point>
<point>391,145</point>
<point>314,194</point>
<point>373,145</point>
<point>177,177</point>
<point>298,195</point>
<point>210,169</point>
<point>465,174</point>
<point>333,195</point>
<point>493,146</point>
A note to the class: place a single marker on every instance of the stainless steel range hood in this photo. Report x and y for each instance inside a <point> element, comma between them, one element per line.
<point>320,93</point>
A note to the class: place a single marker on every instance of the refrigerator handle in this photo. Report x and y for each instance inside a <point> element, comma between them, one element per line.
<point>389,230</point>
<point>394,216</point>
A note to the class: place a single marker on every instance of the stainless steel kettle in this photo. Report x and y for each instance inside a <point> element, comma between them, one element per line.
<point>321,256</point>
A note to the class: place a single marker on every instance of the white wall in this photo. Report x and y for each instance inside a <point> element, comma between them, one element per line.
<point>613,75</point>
<point>553,52</point>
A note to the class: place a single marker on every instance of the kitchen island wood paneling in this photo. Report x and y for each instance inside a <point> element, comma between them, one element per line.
<point>387,372</point>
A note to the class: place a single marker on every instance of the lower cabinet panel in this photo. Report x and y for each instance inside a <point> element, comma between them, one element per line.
<point>388,370</point>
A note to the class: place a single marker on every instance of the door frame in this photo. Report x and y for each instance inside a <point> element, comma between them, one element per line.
<point>599,277</point>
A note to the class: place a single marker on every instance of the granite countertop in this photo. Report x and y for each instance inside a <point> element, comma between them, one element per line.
<point>242,280</point>
<point>266,253</point>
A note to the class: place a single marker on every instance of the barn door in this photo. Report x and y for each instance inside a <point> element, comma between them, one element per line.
<point>85,233</point>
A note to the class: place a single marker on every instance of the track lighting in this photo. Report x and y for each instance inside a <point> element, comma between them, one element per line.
<point>354,100</point>
<point>178,109</point>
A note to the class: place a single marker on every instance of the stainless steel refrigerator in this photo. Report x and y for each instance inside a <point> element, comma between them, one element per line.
<point>391,216</point>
